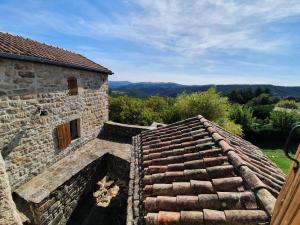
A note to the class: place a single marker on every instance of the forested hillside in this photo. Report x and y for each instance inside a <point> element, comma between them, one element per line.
<point>172,89</point>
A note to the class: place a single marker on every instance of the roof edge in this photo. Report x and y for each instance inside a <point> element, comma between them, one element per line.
<point>51,62</point>
<point>135,191</point>
<point>261,191</point>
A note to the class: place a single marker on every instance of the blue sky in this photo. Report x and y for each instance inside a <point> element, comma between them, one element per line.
<point>189,42</point>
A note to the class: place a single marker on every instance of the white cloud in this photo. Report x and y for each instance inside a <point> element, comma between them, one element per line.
<point>187,38</point>
<point>188,28</point>
<point>193,27</point>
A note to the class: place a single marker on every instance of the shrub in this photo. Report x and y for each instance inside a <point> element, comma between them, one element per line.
<point>148,116</point>
<point>242,96</point>
<point>164,107</point>
<point>242,115</point>
<point>131,110</point>
<point>124,109</point>
<point>283,120</point>
<point>209,104</point>
<point>263,99</point>
<point>287,104</point>
<point>233,127</point>
<point>262,111</point>
<point>292,98</point>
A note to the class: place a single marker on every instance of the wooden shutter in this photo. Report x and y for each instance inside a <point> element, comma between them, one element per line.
<point>73,87</point>
<point>287,207</point>
<point>64,135</point>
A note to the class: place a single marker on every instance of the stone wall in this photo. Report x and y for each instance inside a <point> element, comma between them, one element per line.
<point>8,212</point>
<point>122,131</point>
<point>28,141</point>
<point>88,213</point>
<point>73,201</point>
<point>58,207</point>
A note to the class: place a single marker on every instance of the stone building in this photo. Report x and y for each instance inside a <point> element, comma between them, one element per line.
<point>62,161</point>
<point>52,103</point>
<point>45,89</point>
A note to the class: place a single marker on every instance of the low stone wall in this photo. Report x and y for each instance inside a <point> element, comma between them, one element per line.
<point>57,208</point>
<point>72,201</point>
<point>122,131</point>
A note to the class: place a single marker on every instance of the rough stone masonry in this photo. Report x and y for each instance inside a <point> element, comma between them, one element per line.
<point>28,140</point>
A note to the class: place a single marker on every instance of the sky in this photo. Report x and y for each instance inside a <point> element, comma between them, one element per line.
<point>182,41</point>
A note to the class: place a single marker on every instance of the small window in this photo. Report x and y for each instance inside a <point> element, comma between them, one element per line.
<point>74,129</point>
<point>72,85</point>
<point>67,132</point>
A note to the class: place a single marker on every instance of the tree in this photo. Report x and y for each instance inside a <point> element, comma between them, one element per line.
<point>124,109</point>
<point>263,99</point>
<point>243,96</point>
<point>131,110</point>
<point>283,120</point>
<point>262,111</point>
<point>242,115</point>
<point>209,104</point>
<point>164,107</point>
<point>232,127</point>
<point>287,104</point>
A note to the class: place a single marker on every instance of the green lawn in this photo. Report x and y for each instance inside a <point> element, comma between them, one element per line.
<point>279,158</point>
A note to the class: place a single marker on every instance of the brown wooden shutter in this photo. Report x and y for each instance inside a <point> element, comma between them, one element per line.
<point>73,87</point>
<point>64,135</point>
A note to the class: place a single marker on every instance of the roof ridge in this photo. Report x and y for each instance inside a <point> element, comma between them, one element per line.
<point>261,191</point>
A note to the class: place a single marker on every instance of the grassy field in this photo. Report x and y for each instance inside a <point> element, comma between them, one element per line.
<point>279,158</point>
<point>274,150</point>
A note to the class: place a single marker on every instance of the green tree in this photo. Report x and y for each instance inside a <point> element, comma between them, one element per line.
<point>287,104</point>
<point>126,109</point>
<point>131,110</point>
<point>209,104</point>
<point>263,99</point>
<point>262,111</point>
<point>283,120</point>
<point>148,116</point>
<point>164,107</point>
<point>232,127</point>
<point>242,115</point>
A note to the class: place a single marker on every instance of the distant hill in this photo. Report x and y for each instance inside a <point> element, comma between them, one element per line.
<point>116,84</point>
<point>172,89</point>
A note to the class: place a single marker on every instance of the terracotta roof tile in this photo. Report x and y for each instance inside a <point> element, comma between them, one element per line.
<point>17,47</point>
<point>195,172</point>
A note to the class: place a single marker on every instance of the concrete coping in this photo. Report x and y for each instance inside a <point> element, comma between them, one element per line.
<point>129,125</point>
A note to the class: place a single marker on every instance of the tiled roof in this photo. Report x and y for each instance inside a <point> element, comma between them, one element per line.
<point>195,172</point>
<point>25,49</point>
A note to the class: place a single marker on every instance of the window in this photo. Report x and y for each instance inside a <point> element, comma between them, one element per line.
<point>72,85</point>
<point>67,132</point>
<point>74,129</point>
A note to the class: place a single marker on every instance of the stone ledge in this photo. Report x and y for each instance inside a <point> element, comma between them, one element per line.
<point>122,131</point>
<point>41,186</point>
